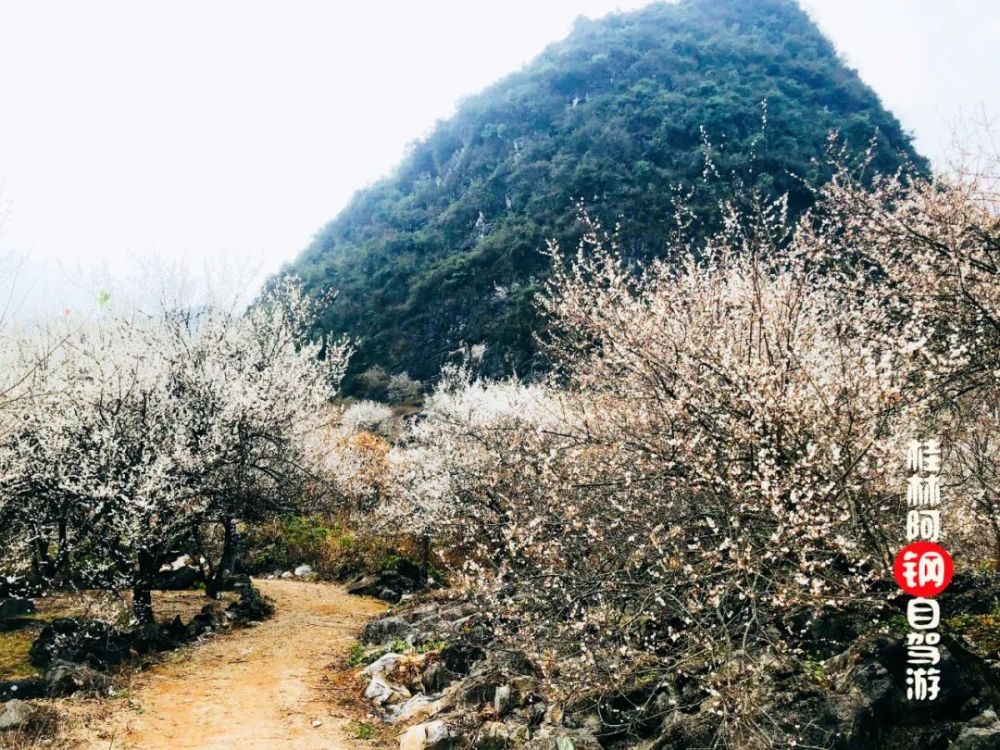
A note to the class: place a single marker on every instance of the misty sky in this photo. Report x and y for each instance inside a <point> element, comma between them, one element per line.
<point>231,128</point>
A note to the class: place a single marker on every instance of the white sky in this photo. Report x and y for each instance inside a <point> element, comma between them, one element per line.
<point>233,128</point>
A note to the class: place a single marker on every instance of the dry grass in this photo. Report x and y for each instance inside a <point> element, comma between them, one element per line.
<point>61,721</point>
<point>44,733</point>
<point>101,605</point>
<point>14,646</point>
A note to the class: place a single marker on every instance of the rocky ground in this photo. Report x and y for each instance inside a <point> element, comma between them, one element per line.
<point>428,675</point>
<point>844,690</point>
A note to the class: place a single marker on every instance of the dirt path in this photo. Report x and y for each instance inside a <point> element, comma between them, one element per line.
<point>257,689</point>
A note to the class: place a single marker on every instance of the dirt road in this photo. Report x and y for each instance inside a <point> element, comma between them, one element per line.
<point>256,689</point>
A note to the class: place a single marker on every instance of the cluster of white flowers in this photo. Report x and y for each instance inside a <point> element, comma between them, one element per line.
<point>367,416</point>
<point>142,432</point>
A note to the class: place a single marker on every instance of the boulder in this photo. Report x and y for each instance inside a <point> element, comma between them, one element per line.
<point>388,585</point>
<point>80,640</point>
<point>211,618</point>
<point>64,678</point>
<point>432,735</point>
<point>251,607</point>
<point>236,582</point>
<point>303,570</point>
<point>15,623</point>
<point>977,738</point>
<point>29,689</point>
<point>17,715</point>
<point>388,595</point>
<point>384,664</point>
<point>857,701</point>
<point>177,579</point>
<point>493,735</point>
<point>420,706</point>
<point>173,634</point>
<point>460,657</point>
<point>381,692</point>
<point>436,677</point>
<point>12,607</point>
<point>387,629</point>
<point>502,700</point>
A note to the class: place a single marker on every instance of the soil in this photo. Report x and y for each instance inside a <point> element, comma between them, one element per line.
<point>262,688</point>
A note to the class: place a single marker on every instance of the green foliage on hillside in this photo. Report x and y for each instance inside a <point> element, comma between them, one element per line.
<point>446,252</point>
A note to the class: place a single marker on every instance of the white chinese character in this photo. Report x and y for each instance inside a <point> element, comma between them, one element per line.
<point>923,524</point>
<point>922,492</point>
<point>923,614</point>
<point>923,655</point>
<point>922,568</point>
<point>932,456</point>
<point>922,684</point>
<point>919,639</point>
<point>924,457</point>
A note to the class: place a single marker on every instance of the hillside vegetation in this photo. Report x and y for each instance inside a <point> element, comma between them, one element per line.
<point>446,253</point>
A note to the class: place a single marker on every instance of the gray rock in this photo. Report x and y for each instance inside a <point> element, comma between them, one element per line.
<point>437,733</point>
<point>429,736</point>
<point>65,678</point>
<point>303,570</point>
<point>567,742</point>
<point>420,705</point>
<point>977,738</point>
<point>27,689</point>
<point>460,657</point>
<point>381,692</point>
<point>502,700</point>
<point>493,736</point>
<point>386,594</point>
<point>178,579</point>
<point>437,677</point>
<point>383,665</point>
<point>386,629</point>
<point>15,607</point>
<point>986,719</point>
<point>79,640</point>
<point>17,715</point>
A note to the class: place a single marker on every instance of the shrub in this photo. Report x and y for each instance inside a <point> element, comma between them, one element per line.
<point>367,416</point>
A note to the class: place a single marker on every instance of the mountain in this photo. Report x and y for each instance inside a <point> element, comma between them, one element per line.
<point>446,252</point>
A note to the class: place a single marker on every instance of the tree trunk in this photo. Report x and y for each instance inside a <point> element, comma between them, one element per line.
<point>142,604</point>
<point>142,597</point>
<point>425,562</point>
<point>39,554</point>
<point>213,586</point>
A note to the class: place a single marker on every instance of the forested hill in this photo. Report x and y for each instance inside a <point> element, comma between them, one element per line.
<point>446,252</point>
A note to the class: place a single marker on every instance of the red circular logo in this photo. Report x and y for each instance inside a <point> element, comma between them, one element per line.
<point>923,569</point>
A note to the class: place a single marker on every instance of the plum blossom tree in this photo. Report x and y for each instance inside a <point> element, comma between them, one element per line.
<point>714,457</point>
<point>160,427</point>
<point>717,457</point>
<point>930,251</point>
